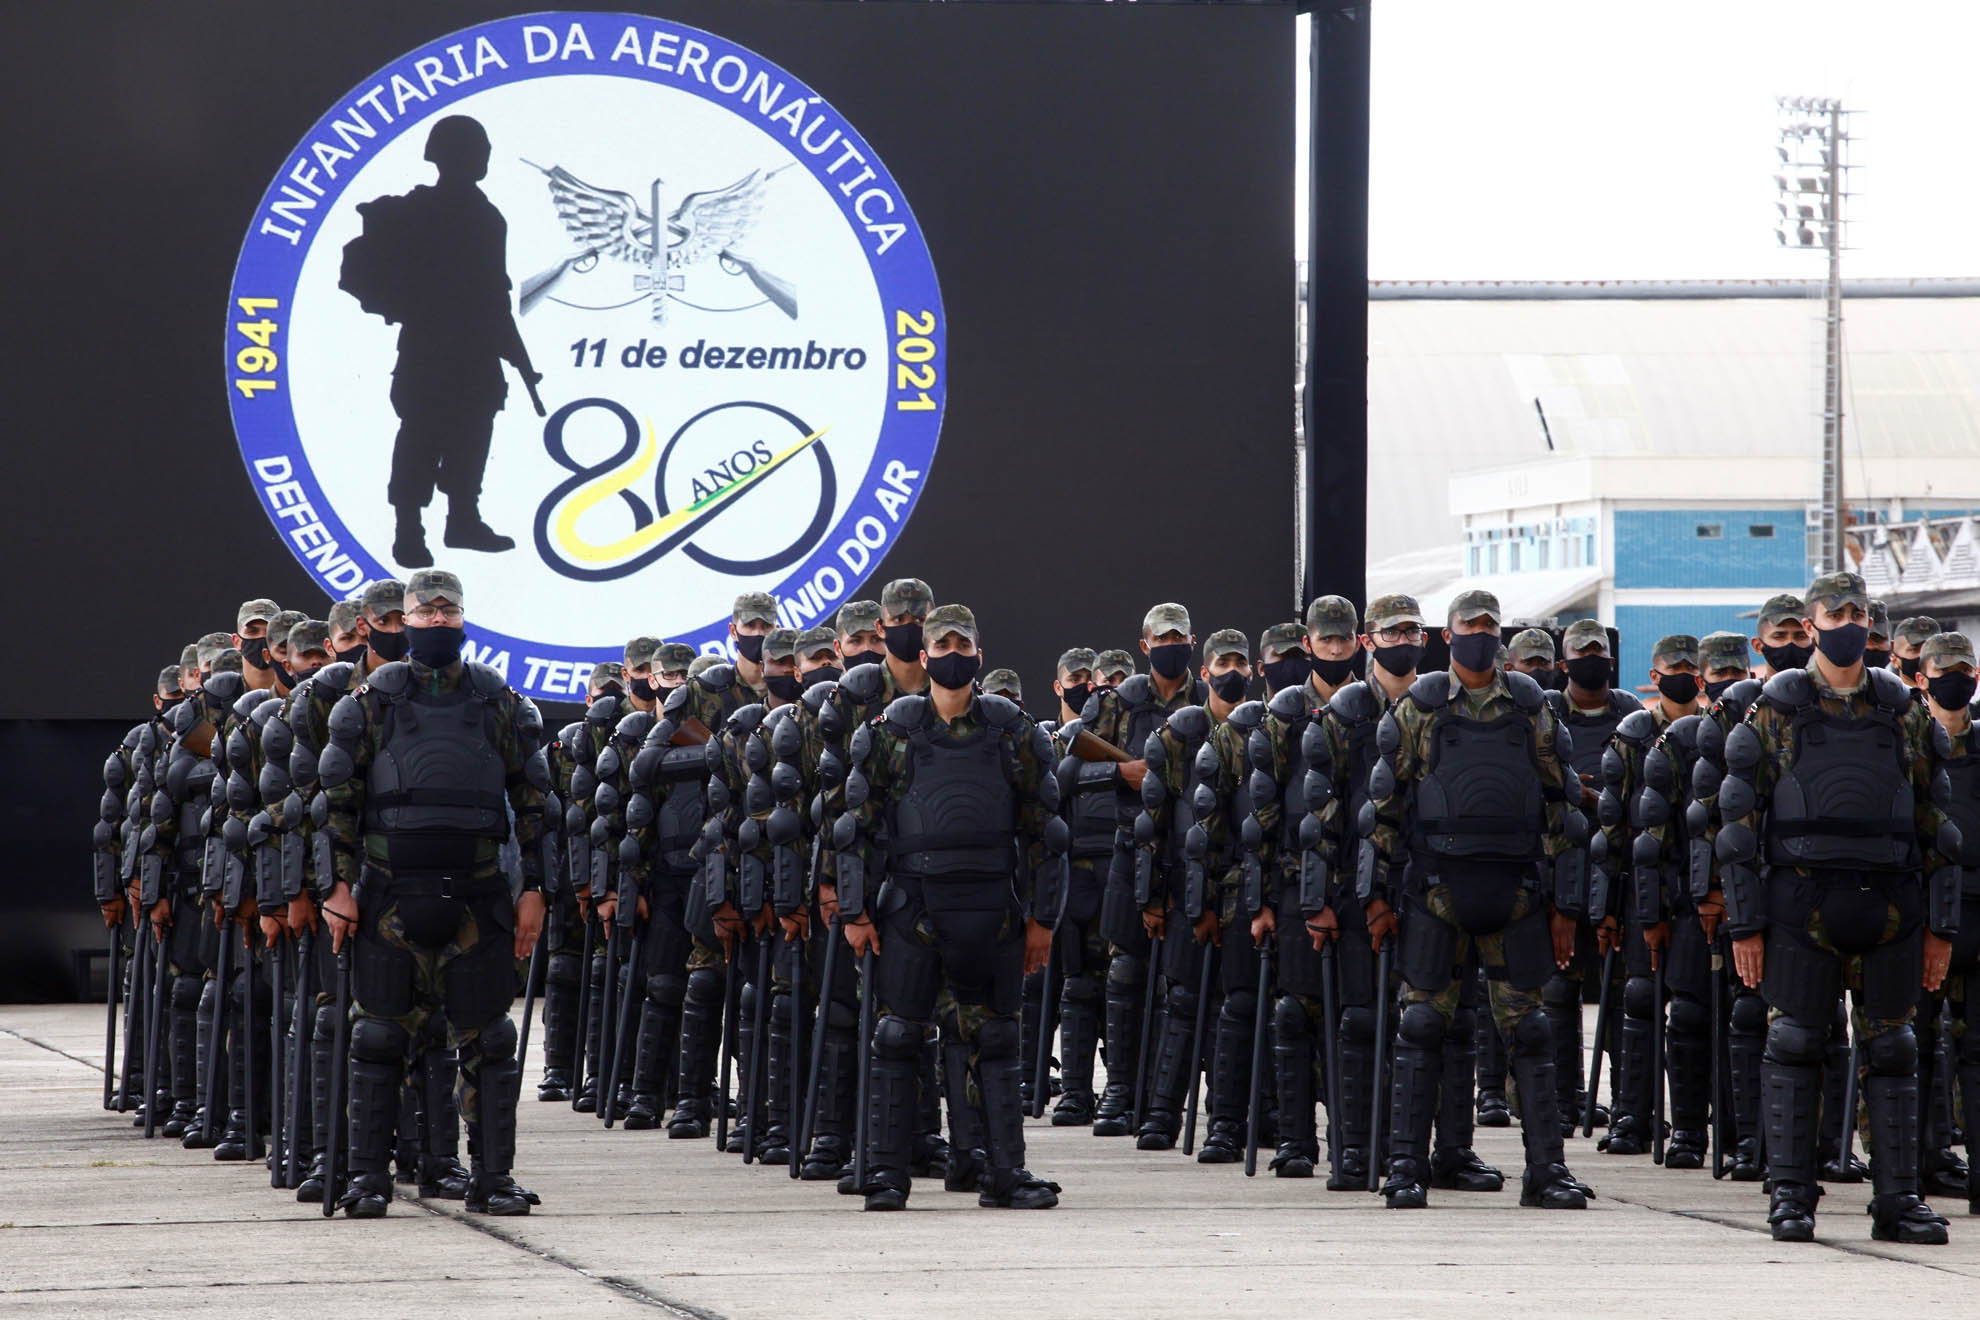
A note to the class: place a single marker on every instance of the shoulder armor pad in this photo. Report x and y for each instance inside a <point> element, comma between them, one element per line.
<point>817,696</point>
<point>240,752</point>
<point>1740,696</point>
<point>1247,717</point>
<point>1433,691</point>
<point>675,703</point>
<point>1941,741</point>
<point>1789,689</point>
<point>1620,700</point>
<point>1191,724</point>
<point>1638,728</point>
<point>113,771</point>
<point>602,713</point>
<point>278,740</point>
<point>1743,747</point>
<point>135,733</point>
<point>1684,730</point>
<point>529,720</point>
<point>1556,701</point>
<point>999,712</point>
<point>863,684</point>
<point>265,710</point>
<point>485,679</point>
<point>907,713</point>
<point>223,689</point>
<point>1089,714</point>
<point>747,718</point>
<point>1891,692</point>
<point>346,721</point>
<point>1289,703</point>
<point>716,678</point>
<point>633,728</point>
<point>1356,704</point>
<point>147,739</point>
<point>568,734</point>
<point>245,704</point>
<point>334,680</point>
<point>390,679</point>
<point>1136,690</point>
<point>1526,693</point>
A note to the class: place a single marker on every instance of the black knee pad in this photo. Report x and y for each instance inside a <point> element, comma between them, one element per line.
<point>185,993</point>
<point>1421,1026</point>
<point>1533,1036</point>
<point>563,969</point>
<point>1126,973</point>
<point>326,1022</point>
<point>997,1038</point>
<point>1640,997</point>
<point>497,1040</point>
<point>1689,1017</point>
<point>1892,1053</point>
<point>840,1017</point>
<point>704,988</point>
<point>1240,1006</point>
<point>667,989</point>
<point>1086,988</point>
<point>1561,994</point>
<point>1797,1044</point>
<point>1749,1015</point>
<point>1181,1001</point>
<point>379,1040</point>
<point>1289,1020</point>
<point>1358,1025</point>
<point>898,1038</point>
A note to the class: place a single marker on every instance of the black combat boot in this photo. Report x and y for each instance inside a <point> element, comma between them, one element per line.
<point>1546,1183</point>
<point>466,530</point>
<point>1114,1116</point>
<point>1079,1035</point>
<point>409,543</point>
<point>1897,1212</point>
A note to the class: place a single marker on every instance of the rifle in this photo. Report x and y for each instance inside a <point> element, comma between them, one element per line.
<point>1602,1009</point>
<point>826,977</point>
<point>278,1127</point>
<point>529,1000</point>
<point>110,990</point>
<point>1657,1063</point>
<point>1254,1105</point>
<point>1196,1049</point>
<point>1089,746</point>
<point>340,1047</point>
<point>1384,998</point>
<point>862,1123</point>
<point>1146,1064</point>
<point>1042,1064</point>
<point>691,732</point>
<point>299,1030</point>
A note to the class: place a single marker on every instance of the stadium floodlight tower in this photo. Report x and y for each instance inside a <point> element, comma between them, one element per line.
<point>1811,182</point>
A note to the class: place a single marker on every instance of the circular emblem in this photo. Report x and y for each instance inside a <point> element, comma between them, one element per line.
<point>612,317</point>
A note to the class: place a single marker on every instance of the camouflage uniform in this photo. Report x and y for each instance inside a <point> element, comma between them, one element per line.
<point>1962,985</point>
<point>1081,951</point>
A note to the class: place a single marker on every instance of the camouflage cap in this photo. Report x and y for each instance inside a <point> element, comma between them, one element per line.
<point>431,584</point>
<point>1531,644</point>
<point>1675,649</point>
<point>1076,658</point>
<point>1786,607</point>
<point>343,617</point>
<point>168,680</point>
<point>1393,611</point>
<point>781,644</point>
<point>701,664</point>
<point>605,671</point>
<point>189,657</point>
<point>1333,616</point>
<point>948,619</point>
<point>1476,603</point>
<point>1947,649</point>
<point>813,640</point>
<point>1113,661</point>
<point>279,626</point>
<point>1880,619</point>
<point>1834,591</point>
<point>907,598</point>
<point>856,616</point>
<point>211,645</point>
<point>226,662</point>
<point>1005,683</point>
<point>639,651</point>
<point>1166,617</point>
<point>1279,639</point>
<point>1582,634</point>
<point>1226,641</point>
<point>758,606</point>
<point>1915,630</point>
<point>383,597</point>
<point>1723,650</point>
<point>673,658</point>
<point>259,608</point>
<point>309,635</point>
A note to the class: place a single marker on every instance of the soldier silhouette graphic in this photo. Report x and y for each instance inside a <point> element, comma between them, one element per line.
<point>433,261</point>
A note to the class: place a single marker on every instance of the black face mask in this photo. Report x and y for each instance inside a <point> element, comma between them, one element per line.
<point>1951,691</point>
<point>1681,688</point>
<point>1590,673</point>
<point>784,687</point>
<point>904,641</point>
<point>1399,659</point>
<point>1476,651</point>
<point>389,645</point>
<point>436,647</point>
<point>1170,660</point>
<point>822,674</point>
<point>166,703</point>
<point>1289,672</point>
<point>282,676</point>
<point>304,675</point>
<point>953,670</point>
<point>643,688</point>
<point>854,659</point>
<point>1333,672</point>
<point>1909,668</point>
<point>1717,689</point>
<point>1076,695</point>
<point>1876,659</point>
<point>1230,686</point>
<point>750,648</point>
<point>254,650</point>
<point>1842,645</point>
<point>1548,679</point>
<point>350,655</point>
<point>1787,657</point>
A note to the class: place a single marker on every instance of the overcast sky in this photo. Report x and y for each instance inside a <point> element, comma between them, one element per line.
<point>1597,139</point>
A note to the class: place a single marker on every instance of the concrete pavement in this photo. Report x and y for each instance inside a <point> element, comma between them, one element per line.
<point>95,1221</point>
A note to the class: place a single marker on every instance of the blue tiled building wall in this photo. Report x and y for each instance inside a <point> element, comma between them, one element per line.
<point>1661,548</point>
<point>1642,625</point>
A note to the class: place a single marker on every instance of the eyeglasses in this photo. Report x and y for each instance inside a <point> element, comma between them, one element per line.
<point>436,614</point>
<point>1399,636</point>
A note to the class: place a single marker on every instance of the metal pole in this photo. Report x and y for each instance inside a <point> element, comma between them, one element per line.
<point>1832,408</point>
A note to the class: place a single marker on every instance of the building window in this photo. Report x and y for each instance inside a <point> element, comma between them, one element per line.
<point>1711,531</point>
<point>1588,549</point>
<point>1474,561</point>
<point>1512,557</point>
<point>1544,544</point>
<point>1761,531</point>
